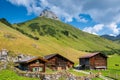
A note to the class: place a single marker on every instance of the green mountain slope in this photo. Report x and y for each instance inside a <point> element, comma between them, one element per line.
<point>49,31</point>
<point>17,43</point>
<point>42,36</point>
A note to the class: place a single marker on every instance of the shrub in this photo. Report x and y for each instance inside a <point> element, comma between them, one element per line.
<point>66,33</point>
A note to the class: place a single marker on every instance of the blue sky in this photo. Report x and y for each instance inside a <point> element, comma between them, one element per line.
<point>13,13</point>
<point>92,16</point>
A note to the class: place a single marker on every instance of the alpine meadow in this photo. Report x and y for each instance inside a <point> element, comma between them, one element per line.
<point>59,40</point>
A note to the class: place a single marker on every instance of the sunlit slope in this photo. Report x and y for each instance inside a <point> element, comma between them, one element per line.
<point>51,32</point>
<point>16,42</point>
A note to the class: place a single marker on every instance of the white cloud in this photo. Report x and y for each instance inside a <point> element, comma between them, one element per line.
<point>94,29</point>
<point>69,9</point>
<point>105,12</point>
<point>32,6</point>
<point>114,28</point>
<point>63,8</point>
<point>98,27</point>
<point>112,35</point>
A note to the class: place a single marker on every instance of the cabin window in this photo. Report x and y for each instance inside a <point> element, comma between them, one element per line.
<point>37,69</point>
<point>37,61</point>
<point>40,69</point>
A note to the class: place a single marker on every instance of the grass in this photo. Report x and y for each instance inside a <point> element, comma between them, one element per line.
<point>25,45</point>
<point>64,39</point>
<point>57,37</point>
<point>76,73</point>
<point>64,34</point>
<point>10,75</point>
<point>97,79</point>
<point>50,71</point>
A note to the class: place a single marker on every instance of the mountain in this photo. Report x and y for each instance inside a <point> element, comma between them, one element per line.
<point>42,36</point>
<point>113,38</point>
<point>3,20</point>
<point>18,43</point>
<point>118,37</point>
<point>49,14</point>
<point>50,31</point>
<point>109,37</point>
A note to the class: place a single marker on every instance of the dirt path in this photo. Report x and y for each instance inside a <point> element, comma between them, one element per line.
<point>85,72</point>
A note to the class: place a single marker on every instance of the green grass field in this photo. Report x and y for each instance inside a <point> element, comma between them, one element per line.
<point>76,73</point>
<point>10,75</point>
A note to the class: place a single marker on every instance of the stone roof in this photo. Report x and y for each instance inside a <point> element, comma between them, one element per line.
<point>30,59</point>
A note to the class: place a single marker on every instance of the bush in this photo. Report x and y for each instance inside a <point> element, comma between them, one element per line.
<point>29,35</point>
<point>48,30</point>
<point>66,33</point>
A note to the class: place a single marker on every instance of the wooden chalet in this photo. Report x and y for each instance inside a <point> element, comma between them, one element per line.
<point>58,62</point>
<point>33,64</point>
<point>93,61</point>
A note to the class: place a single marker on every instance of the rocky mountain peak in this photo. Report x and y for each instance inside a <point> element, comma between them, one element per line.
<point>49,14</point>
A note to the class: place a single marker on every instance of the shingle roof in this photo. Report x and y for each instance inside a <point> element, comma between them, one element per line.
<point>30,59</point>
<point>52,55</point>
<point>91,55</point>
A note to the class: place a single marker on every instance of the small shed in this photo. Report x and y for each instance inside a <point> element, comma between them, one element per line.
<point>33,64</point>
<point>93,61</point>
<point>58,62</point>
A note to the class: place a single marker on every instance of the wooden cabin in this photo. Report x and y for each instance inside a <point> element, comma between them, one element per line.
<point>58,62</point>
<point>93,61</point>
<point>33,64</point>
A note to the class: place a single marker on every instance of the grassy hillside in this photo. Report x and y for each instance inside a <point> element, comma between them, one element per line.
<point>42,36</point>
<point>50,31</point>
<point>16,42</point>
<point>118,41</point>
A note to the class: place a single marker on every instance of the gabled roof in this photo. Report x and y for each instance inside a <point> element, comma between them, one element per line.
<point>89,55</point>
<point>30,59</point>
<point>52,55</point>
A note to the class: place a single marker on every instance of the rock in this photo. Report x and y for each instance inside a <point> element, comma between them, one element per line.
<point>3,55</point>
<point>9,36</point>
<point>49,14</point>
